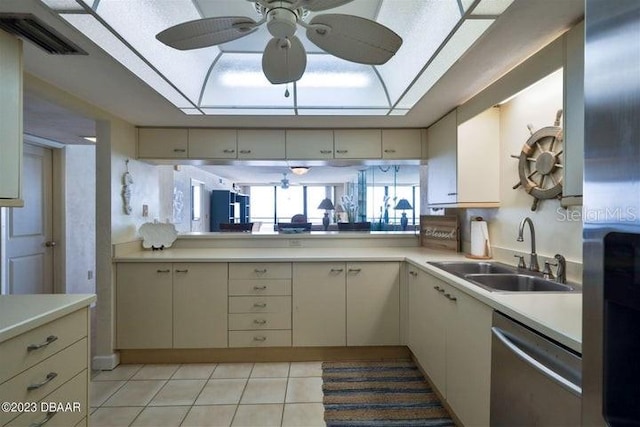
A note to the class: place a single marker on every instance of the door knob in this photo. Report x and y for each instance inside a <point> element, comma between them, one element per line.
<point>50,244</point>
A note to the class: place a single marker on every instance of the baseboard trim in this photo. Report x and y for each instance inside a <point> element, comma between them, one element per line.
<point>106,362</point>
<point>263,354</point>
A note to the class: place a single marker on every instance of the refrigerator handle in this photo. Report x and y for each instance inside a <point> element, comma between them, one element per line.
<point>554,376</point>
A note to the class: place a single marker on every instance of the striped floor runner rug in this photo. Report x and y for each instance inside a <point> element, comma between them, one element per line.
<point>390,393</point>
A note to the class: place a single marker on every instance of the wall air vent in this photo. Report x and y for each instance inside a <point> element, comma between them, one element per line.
<point>30,27</point>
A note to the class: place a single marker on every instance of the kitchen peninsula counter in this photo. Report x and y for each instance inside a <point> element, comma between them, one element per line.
<point>557,315</point>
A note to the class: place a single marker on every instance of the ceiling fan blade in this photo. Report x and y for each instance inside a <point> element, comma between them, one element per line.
<point>318,5</point>
<point>284,60</point>
<point>354,38</point>
<point>207,32</point>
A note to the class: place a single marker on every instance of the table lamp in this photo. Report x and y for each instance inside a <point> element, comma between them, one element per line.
<point>403,204</point>
<point>327,205</point>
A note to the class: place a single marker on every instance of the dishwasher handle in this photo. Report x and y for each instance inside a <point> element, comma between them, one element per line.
<point>544,370</point>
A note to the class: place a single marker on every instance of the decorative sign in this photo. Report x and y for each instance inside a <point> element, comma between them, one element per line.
<point>440,232</point>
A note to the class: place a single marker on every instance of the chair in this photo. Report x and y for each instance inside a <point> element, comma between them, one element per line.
<point>298,219</point>
<point>236,227</point>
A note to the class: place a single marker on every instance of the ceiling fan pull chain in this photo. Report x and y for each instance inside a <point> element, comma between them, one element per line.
<point>286,92</point>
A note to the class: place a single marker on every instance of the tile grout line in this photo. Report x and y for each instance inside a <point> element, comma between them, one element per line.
<point>242,394</point>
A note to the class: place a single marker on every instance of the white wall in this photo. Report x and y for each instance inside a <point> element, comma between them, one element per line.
<point>537,106</point>
<point>80,214</point>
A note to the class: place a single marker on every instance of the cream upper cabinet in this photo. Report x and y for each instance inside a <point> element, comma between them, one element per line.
<point>199,305</point>
<point>319,304</point>
<point>144,307</point>
<point>357,143</point>
<point>402,143</point>
<point>464,161</point>
<point>213,143</point>
<point>373,303</point>
<point>162,143</point>
<point>450,335</point>
<point>309,144</point>
<point>263,144</point>
<point>573,116</point>
<point>10,120</point>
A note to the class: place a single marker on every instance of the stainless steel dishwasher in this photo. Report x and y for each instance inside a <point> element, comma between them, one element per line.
<point>534,381</point>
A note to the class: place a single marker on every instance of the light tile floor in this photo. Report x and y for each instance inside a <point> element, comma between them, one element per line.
<point>202,395</point>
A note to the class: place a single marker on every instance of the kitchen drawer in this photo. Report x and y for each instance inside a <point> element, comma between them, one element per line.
<point>72,391</point>
<point>259,321</point>
<point>260,338</point>
<point>262,270</point>
<point>60,334</point>
<point>62,366</point>
<point>259,304</point>
<point>260,287</point>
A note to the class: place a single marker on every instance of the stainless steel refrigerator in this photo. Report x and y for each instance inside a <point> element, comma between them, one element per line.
<point>611,214</point>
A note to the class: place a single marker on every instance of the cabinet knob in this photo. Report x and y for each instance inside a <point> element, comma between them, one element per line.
<point>50,376</point>
<point>50,244</point>
<point>49,340</point>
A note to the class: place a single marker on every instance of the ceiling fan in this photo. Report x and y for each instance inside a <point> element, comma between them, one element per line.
<point>284,60</point>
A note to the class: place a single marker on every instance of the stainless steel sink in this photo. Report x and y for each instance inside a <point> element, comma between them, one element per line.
<point>462,268</point>
<point>517,283</point>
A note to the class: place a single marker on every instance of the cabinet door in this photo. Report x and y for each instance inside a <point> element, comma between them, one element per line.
<point>159,143</point>
<point>442,160</point>
<point>213,143</point>
<point>469,359</point>
<point>261,144</point>
<point>573,117</point>
<point>144,317</point>
<point>479,158</point>
<point>373,303</point>
<point>319,304</point>
<point>309,144</point>
<point>432,310</point>
<point>401,143</point>
<point>199,305</point>
<point>357,143</point>
<point>10,119</point>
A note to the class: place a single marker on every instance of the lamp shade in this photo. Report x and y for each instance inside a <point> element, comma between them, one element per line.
<point>403,204</point>
<point>326,204</point>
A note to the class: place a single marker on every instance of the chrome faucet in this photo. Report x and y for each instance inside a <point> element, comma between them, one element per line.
<point>533,263</point>
<point>561,273</point>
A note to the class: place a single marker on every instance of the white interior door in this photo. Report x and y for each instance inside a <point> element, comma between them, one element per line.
<point>29,245</point>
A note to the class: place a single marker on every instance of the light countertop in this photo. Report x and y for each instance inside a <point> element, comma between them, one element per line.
<point>20,313</point>
<point>556,315</point>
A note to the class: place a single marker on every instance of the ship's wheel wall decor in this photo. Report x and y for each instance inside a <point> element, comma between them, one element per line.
<point>540,163</point>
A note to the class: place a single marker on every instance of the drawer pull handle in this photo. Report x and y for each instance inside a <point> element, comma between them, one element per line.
<point>260,288</point>
<point>245,151</point>
<point>260,305</point>
<point>439,289</point>
<point>337,270</point>
<point>163,271</point>
<point>260,321</point>
<point>49,340</point>
<point>452,194</point>
<point>182,271</point>
<point>259,271</point>
<point>46,419</point>
<point>325,151</point>
<point>342,151</point>
<point>355,270</point>
<point>260,339</point>
<point>450,298</point>
<point>413,273</point>
<point>50,376</point>
<point>228,151</point>
<point>389,150</point>
<point>179,150</point>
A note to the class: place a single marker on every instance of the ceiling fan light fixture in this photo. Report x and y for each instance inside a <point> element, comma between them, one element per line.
<point>282,22</point>
<point>299,170</point>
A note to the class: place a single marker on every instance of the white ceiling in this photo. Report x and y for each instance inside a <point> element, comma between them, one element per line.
<point>523,29</point>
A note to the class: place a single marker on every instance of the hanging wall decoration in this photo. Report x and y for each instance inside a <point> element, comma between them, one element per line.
<point>540,163</point>
<point>127,184</point>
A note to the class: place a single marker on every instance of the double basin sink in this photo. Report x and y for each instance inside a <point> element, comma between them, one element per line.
<point>498,277</point>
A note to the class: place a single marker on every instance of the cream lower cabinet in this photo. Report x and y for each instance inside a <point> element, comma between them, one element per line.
<point>450,336</point>
<point>319,304</point>
<point>167,305</point>
<point>373,303</point>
